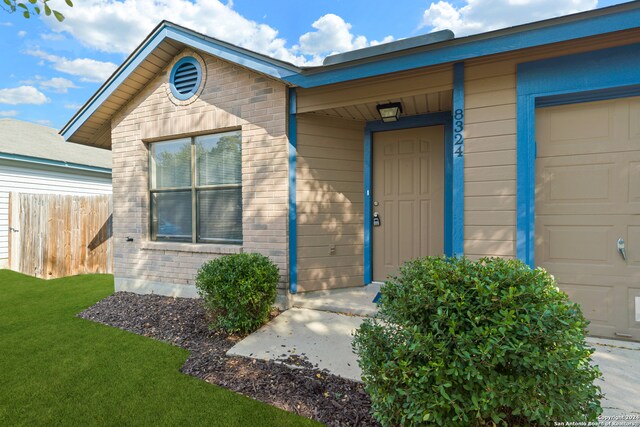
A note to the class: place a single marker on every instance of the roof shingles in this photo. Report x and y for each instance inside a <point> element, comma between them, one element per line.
<point>32,140</point>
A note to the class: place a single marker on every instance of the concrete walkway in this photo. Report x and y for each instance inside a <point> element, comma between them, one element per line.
<point>319,337</point>
<point>619,362</point>
<point>319,330</point>
<point>357,301</point>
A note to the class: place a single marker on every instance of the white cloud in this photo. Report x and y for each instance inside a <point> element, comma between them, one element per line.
<point>6,24</point>
<point>89,70</point>
<point>478,16</point>
<point>9,113</point>
<point>43,122</point>
<point>73,106</point>
<point>333,35</point>
<point>52,36</point>
<point>22,95</point>
<point>57,84</point>
<point>22,33</point>
<point>387,39</point>
<point>120,26</point>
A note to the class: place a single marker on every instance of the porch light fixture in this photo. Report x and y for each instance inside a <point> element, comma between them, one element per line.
<point>389,112</point>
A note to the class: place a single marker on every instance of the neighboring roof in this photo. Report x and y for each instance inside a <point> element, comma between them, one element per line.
<point>90,124</point>
<point>33,143</point>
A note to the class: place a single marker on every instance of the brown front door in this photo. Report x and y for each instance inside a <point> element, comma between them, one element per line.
<point>588,199</point>
<point>408,197</point>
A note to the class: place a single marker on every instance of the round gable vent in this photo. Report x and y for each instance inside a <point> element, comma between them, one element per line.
<point>185,78</point>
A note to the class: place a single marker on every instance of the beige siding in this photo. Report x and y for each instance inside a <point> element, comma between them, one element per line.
<point>329,202</point>
<point>232,98</point>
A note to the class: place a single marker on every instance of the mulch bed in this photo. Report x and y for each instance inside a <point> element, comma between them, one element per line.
<point>306,391</point>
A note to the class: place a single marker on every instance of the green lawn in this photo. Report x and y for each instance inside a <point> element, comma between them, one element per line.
<point>56,369</point>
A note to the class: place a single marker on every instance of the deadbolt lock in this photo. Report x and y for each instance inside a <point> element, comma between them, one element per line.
<point>376,219</point>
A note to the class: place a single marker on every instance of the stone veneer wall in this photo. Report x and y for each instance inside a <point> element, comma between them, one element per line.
<point>231,97</point>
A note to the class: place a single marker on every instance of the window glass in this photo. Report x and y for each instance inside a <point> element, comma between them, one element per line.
<point>212,185</point>
<point>171,164</point>
<point>171,215</point>
<point>220,215</point>
<point>218,159</point>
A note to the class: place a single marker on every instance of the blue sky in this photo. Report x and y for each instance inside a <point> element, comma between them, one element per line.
<point>48,70</point>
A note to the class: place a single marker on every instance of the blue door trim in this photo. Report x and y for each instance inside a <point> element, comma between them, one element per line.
<point>424,120</point>
<point>293,226</point>
<point>456,159</point>
<point>591,76</point>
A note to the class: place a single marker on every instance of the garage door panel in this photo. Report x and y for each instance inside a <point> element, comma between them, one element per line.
<point>632,243</point>
<point>596,301</point>
<point>586,220</point>
<point>578,183</point>
<point>590,240</point>
<point>634,120</point>
<point>582,128</point>
<point>565,131</point>
<point>587,197</point>
<point>567,124</point>
<point>634,182</point>
<point>594,184</point>
<point>582,244</point>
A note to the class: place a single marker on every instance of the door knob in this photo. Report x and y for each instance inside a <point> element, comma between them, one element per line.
<point>621,249</point>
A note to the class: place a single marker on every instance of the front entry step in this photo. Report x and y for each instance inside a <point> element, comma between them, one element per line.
<point>350,301</point>
<point>306,338</point>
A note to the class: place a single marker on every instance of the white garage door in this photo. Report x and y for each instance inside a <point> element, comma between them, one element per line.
<point>587,199</point>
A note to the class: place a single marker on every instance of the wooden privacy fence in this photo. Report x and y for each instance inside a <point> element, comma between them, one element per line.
<point>54,235</point>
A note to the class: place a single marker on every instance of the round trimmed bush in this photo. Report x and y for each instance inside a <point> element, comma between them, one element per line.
<point>238,290</point>
<point>462,343</point>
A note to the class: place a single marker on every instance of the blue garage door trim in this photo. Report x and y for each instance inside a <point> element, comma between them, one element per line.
<point>602,74</point>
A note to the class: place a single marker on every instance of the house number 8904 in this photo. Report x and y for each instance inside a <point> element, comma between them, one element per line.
<point>458,132</point>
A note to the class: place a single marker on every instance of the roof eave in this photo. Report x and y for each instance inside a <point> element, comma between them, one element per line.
<point>555,30</point>
<point>279,70</point>
<point>56,163</point>
<point>571,27</point>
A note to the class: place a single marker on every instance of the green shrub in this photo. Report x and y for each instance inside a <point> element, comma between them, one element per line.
<point>238,290</point>
<point>462,343</point>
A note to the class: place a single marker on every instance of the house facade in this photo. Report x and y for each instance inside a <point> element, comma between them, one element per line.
<point>520,143</point>
<point>35,159</point>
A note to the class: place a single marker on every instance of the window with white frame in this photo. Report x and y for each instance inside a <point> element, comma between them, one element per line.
<point>195,186</point>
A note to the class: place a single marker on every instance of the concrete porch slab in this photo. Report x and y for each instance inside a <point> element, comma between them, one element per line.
<point>322,338</point>
<point>619,362</point>
<point>357,301</point>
